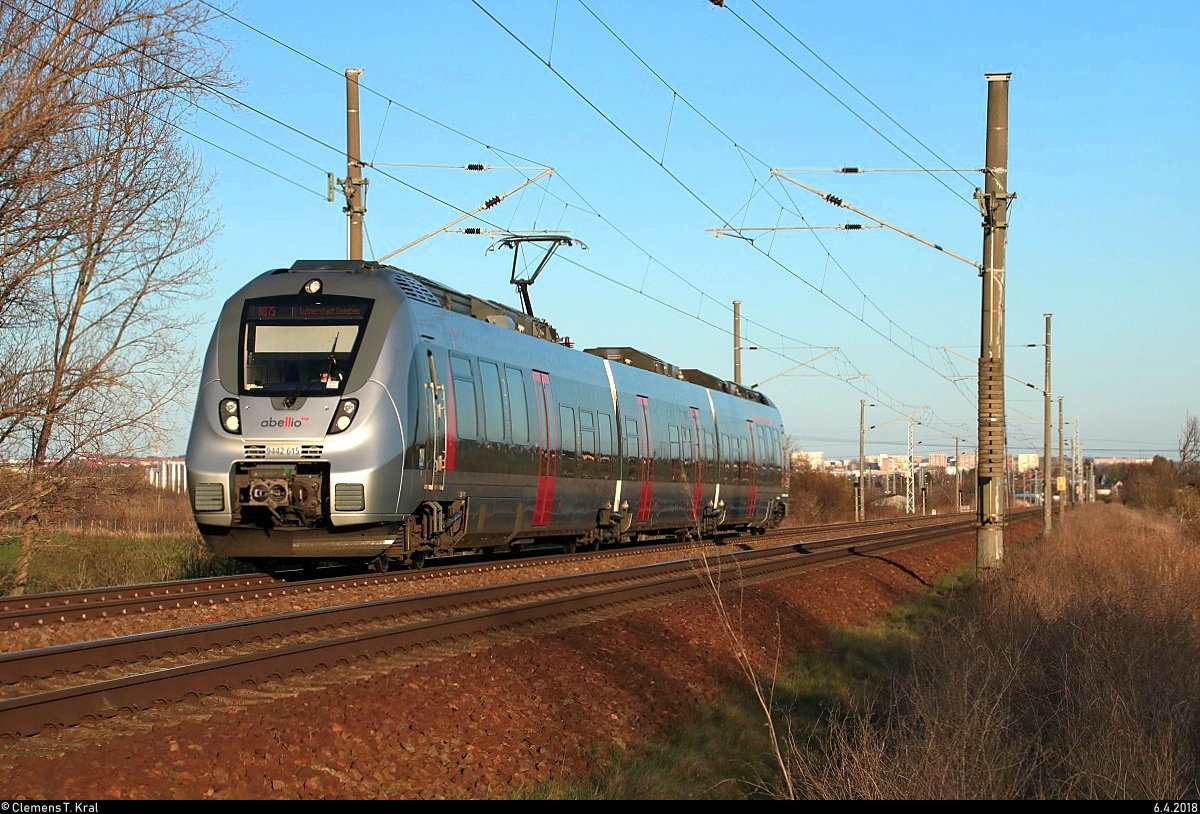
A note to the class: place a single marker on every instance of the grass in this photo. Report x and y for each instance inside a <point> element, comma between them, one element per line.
<point>109,528</point>
<point>66,562</point>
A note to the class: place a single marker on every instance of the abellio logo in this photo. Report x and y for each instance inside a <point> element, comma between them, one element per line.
<point>287,422</point>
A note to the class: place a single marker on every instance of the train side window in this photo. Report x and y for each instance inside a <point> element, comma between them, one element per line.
<point>587,443</point>
<point>518,404</point>
<point>760,446</point>
<point>466,417</point>
<point>633,452</point>
<point>604,433</point>
<point>709,454</point>
<point>568,430</point>
<point>776,458</point>
<point>673,442</point>
<point>493,401</point>
<point>687,452</point>
<point>768,455</point>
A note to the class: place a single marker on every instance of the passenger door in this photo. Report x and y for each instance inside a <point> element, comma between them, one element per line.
<point>434,452</point>
<point>751,471</point>
<point>646,454</point>
<point>696,470</point>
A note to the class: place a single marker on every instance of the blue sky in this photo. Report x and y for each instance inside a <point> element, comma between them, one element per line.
<point>663,121</point>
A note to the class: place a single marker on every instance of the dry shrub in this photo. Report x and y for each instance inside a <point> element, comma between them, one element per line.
<point>1072,674</point>
<point>104,500</point>
<point>102,526</point>
<point>818,497</point>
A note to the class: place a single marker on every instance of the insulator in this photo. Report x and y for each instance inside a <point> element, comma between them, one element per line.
<point>852,226</point>
<point>491,202</point>
<point>475,167</point>
<point>473,230</point>
<point>850,169</point>
<point>833,199</point>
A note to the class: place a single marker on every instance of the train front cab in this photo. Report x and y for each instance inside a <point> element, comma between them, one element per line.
<point>297,443</point>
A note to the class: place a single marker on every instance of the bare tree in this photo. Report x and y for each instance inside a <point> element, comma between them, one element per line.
<point>103,228</point>
<point>1189,445</point>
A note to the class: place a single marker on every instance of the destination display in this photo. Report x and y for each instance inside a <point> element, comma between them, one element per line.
<point>296,309</point>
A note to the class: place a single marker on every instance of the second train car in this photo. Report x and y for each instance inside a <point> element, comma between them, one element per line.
<point>351,411</point>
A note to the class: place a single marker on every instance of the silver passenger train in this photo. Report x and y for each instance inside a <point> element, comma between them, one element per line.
<point>351,411</point>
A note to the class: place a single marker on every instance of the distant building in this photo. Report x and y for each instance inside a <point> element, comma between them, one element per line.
<point>169,474</point>
<point>816,460</point>
<point>166,473</point>
<point>893,463</point>
<point>1028,461</point>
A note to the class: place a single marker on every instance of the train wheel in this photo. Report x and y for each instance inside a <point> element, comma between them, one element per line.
<point>381,564</point>
<point>417,560</point>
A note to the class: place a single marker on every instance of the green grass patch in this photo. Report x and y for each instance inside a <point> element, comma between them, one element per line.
<point>63,562</point>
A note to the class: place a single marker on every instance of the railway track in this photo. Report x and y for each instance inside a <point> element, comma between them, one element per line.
<point>49,609</point>
<point>60,686</point>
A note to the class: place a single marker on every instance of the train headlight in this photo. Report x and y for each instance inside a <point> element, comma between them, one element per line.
<point>344,416</point>
<point>313,286</point>
<point>231,416</point>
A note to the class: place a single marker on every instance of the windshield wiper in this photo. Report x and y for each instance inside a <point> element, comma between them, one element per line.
<point>332,367</point>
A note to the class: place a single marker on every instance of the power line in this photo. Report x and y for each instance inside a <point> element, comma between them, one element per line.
<point>838,99</point>
<point>410,186</point>
<point>390,101</point>
<point>583,97</point>
<point>864,96</point>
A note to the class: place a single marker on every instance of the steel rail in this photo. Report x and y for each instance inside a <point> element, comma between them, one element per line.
<point>27,715</point>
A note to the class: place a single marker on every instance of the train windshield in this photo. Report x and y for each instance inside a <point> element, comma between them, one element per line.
<point>300,345</point>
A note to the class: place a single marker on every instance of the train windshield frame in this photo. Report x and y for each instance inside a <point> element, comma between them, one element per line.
<point>300,345</point>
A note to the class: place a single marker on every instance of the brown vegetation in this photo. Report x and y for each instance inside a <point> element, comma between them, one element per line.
<point>1073,676</point>
<point>106,526</point>
<point>1168,488</point>
<point>109,500</point>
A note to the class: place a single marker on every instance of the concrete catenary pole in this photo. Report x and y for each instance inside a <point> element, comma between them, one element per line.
<point>737,341</point>
<point>355,194</point>
<point>1062,470</point>
<point>993,202</point>
<point>909,502</point>
<point>1076,465</point>
<point>860,505</point>
<point>1046,488</point>
<point>957,480</point>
